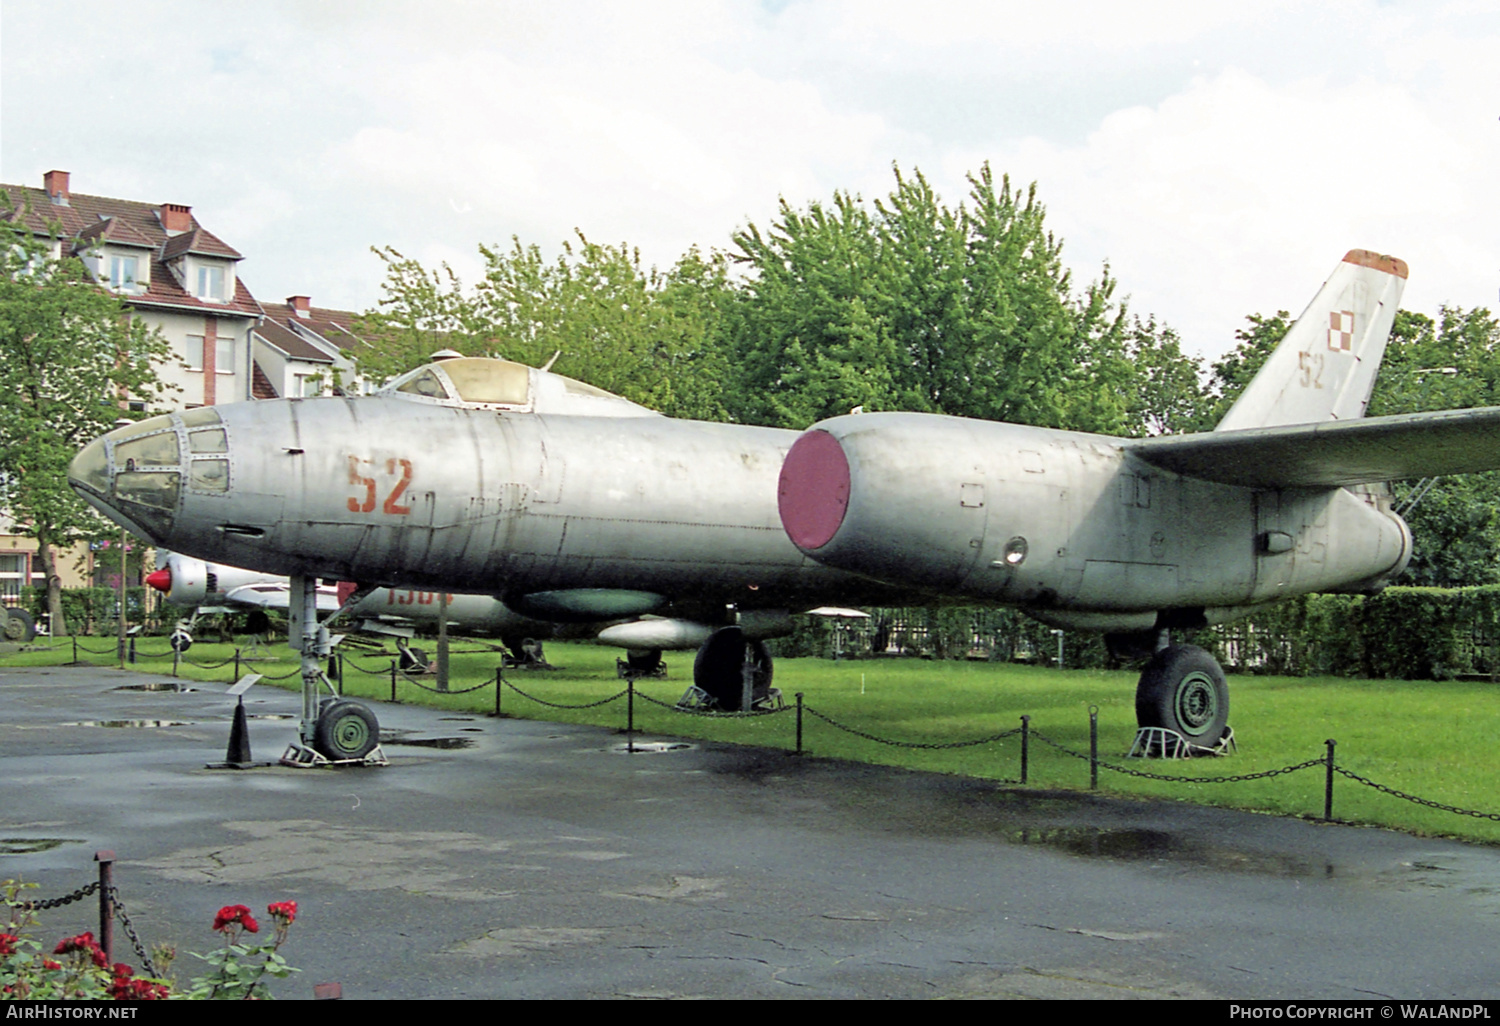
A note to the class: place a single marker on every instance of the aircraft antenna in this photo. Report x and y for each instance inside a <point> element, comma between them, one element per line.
<point>548,365</point>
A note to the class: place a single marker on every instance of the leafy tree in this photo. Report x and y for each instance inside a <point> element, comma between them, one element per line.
<point>70,355</point>
<point>1228,377</point>
<point>910,305</point>
<point>648,335</point>
<point>1449,363</point>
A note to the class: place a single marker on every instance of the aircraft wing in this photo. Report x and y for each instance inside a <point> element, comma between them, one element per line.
<point>277,597</point>
<point>1336,453</point>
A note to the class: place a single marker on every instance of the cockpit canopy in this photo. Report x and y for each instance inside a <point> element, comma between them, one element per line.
<point>502,385</point>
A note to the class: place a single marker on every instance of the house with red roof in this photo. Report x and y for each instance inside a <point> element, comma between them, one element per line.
<point>174,274</point>
<point>178,276</point>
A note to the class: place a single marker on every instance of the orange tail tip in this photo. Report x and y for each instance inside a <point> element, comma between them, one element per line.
<point>1379,261</point>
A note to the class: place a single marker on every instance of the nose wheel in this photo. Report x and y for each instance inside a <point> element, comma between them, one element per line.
<point>346,731</point>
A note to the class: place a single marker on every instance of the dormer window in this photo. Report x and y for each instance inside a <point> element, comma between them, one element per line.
<point>123,271</point>
<point>210,282</point>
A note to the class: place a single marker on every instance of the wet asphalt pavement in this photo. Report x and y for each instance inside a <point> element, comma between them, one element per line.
<point>537,861</point>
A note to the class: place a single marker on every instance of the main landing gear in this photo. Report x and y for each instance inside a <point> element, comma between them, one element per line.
<point>1183,690</point>
<point>732,673</point>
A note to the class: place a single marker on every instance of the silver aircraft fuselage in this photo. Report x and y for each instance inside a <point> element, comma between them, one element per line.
<point>395,491</point>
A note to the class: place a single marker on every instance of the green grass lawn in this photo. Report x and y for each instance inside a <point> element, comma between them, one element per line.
<point>1434,740</point>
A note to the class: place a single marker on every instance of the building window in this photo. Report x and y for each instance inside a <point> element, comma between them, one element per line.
<point>13,575</point>
<point>210,282</point>
<point>122,271</point>
<point>192,352</point>
<point>224,354</point>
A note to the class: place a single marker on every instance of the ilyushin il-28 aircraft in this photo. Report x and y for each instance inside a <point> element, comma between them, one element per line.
<point>573,505</point>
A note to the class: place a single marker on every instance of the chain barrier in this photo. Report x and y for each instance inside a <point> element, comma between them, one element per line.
<point>67,899</point>
<point>925,745</point>
<point>111,650</point>
<point>712,714</point>
<point>1413,798</point>
<point>1178,779</point>
<point>383,671</point>
<point>558,705</point>
<point>266,676</point>
<point>208,666</point>
<point>88,890</point>
<point>135,941</point>
<point>437,691</point>
<point>92,888</point>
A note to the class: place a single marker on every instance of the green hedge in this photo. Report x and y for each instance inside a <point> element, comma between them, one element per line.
<point>1402,633</point>
<point>87,610</point>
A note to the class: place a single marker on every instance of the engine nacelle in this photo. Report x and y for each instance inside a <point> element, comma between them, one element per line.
<point>1069,526</point>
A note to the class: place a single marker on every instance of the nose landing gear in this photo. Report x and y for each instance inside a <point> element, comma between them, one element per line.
<point>335,730</point>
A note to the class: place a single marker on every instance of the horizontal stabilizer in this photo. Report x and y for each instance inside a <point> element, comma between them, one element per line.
<point>1334,453</point>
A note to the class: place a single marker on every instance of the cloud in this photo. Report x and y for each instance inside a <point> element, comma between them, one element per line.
<point>1222,158</point>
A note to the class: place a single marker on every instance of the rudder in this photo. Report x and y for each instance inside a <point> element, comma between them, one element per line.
<point>1324,369</point>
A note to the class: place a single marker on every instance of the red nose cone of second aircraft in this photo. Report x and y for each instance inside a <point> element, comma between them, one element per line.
<point>813,493</point>
<point>161,579</point>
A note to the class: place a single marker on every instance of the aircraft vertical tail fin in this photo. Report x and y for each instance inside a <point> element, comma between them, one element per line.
<point>1324,369</point>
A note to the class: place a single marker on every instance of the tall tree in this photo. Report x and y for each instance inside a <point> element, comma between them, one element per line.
<point>911,305</point>
<point>1449,363</point>
<point>70,357</point>
<point>648,335</point>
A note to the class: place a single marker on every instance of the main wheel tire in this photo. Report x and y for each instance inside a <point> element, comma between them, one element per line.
<point>1183,689</point>
<point>180,641</point>
<point>19,626</point>
<point>718,669</point>
<point>346,730</point>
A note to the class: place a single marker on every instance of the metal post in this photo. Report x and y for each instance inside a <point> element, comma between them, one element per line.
<point>799,723</point>
<point>499,687</point>
<point>177,658</point>
<point>393,680</point>
<point>1093,748</point>
<point>120,649</point>
<point>442,642</point>
<point>236,664</point>
<point>132,650</point>
<point>1328,787</point>
<point>630,715</point>
<point>75,649</point>
<point>106,860</point>
<point>1025,745</point>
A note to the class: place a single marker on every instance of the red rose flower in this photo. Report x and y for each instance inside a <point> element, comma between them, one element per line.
<point>283,910</point>
<point>8,943</point>
<point>83,942</point>
<point>236,915</point>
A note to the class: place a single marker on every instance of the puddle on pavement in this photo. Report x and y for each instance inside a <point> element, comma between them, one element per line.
<point>651,747</point>
<point>128,723</point>
<point>428,742</point>
<point>272,716</point>
<point>32,845</point>
<point>160,686</point>
<point>1141,845</point>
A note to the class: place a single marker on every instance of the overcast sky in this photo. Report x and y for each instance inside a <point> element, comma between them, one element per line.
<point>1221,157</point>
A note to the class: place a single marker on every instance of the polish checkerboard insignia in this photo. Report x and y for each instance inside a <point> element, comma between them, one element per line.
<point>1341,331</point>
